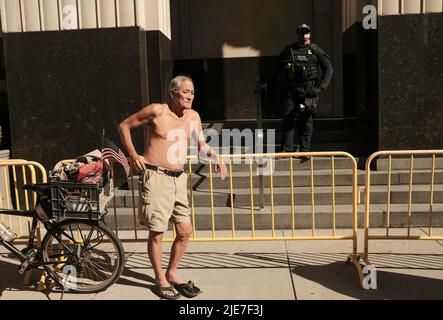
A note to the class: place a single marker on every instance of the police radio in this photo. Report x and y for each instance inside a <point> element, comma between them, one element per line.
<point>296,67</point>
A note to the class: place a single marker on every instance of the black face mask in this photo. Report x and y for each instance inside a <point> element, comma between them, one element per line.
<point>301,31</point>
<point>301,40</point>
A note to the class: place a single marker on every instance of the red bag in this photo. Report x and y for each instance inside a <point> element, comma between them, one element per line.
<point>90,173</point>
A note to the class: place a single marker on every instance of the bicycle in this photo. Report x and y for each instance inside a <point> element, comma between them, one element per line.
<point>78,251</point>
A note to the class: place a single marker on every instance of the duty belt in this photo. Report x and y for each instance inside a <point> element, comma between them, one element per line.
<point>175,174</point>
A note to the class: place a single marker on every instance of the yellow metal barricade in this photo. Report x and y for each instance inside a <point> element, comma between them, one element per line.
<point>214,232</point>
<point>408,158</point>
<point>14,174</point>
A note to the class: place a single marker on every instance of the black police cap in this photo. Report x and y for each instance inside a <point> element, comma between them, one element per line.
<point>303,29</point>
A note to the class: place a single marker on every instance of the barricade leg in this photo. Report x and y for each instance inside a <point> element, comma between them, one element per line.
<point>354,259</point>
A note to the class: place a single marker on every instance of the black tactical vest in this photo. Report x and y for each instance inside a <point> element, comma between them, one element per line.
<point>302,67</point>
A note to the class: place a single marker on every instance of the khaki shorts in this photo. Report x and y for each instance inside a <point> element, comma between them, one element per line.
<point>162,199</point>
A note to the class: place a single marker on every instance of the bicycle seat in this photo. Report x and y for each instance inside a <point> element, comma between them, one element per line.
<point>39,188</point>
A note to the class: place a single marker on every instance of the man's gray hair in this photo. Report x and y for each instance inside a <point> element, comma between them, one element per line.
<point>175,83</point>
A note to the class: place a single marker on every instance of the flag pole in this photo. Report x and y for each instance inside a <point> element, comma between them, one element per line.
<point>103,138</point>
<point>109,174</point>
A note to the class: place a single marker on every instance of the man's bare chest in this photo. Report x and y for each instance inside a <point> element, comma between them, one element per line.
<point>170,128</point>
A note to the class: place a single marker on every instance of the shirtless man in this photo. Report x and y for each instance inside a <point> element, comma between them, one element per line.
<point>163,194</point>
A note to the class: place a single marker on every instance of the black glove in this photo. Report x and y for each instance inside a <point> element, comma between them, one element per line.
<point>312,110</point>
<point>314,91</point>
<point>311,105</point>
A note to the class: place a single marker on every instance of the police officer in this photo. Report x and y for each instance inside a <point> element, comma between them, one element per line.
<point>300,87</point>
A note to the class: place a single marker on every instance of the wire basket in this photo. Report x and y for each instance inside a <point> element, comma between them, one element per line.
<point>75,201</point>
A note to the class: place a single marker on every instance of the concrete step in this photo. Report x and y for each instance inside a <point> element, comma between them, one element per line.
<point>283,217</point>
<point>321,124</point>
<point>343,177</point>
<point>324,163</point>
<point>322,136</point>
<point>404,164</point>
<point>302,196</point>
<point>273,146</point>
<point>330,146</point>
<point>276,135</point>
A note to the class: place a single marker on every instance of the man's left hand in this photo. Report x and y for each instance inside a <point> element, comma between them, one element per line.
<point>315,91</point>
<point>222,168</point>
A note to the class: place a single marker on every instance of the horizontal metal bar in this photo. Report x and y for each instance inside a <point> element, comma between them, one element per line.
<point>283,155</point>
<point>405,238</point>
<point>240,239</point>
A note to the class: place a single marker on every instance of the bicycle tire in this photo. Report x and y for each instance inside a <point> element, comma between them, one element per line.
<point>80,255</point>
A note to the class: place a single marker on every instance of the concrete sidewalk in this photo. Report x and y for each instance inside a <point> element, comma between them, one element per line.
<point>280,270</point>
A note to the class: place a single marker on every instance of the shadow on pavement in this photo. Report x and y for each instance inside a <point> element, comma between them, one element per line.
<point>134,262</point>
<point>202,260</point>
<point>11,280</point>
<point>330,271</point>
<point>391,285</point>
<point>129,273</point>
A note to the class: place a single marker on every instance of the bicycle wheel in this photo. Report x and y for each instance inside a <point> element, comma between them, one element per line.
<point>85,256</point>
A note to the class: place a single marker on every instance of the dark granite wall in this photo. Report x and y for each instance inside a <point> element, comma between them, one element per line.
<point>159,65</point>
<point>360,80</point>
<point>65,88</point>
<point>4,113</point>
<point>224,87</point>
<point>410,82</point>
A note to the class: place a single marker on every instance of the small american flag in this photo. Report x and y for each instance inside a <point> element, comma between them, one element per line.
<point>111,151</point>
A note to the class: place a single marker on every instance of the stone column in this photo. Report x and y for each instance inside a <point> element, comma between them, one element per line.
<point>158,39</point>
<point>107,14</point>
<point>411,6</point>
<point>387,7</point>
<point>49,16</point>
<point>11,16</point>
<point>433,6</point>
<point>88,14</point>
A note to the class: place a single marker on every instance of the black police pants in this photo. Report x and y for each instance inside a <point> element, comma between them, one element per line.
<point>305,128</point>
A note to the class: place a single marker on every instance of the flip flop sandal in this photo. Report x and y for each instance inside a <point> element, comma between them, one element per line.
<point>161,292</point>
<point>189,290</point>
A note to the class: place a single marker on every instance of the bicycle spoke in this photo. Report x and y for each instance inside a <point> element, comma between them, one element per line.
<point>72,232</point>
<point>98,237</point>
<point>94,246</point>
<point>99,265</point>
<point>92,273</point>
<point>102,275</point>
<point>62,242</point>
<point>81,233</point>
<point>88,239</point>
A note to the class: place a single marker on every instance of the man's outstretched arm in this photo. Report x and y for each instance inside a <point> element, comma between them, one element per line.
<point>208,151</point>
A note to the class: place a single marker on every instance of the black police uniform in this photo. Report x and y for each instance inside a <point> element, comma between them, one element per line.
<point>300,88</point>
